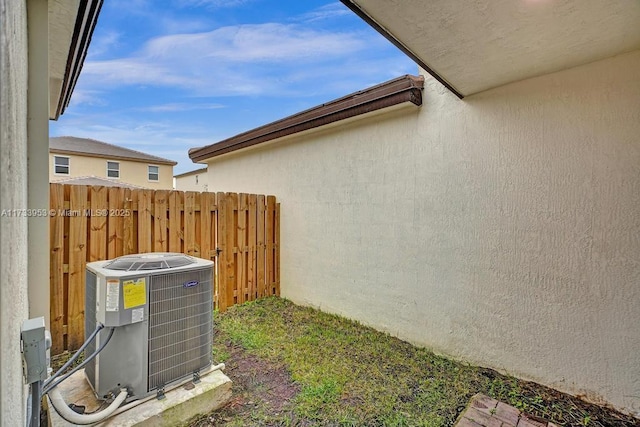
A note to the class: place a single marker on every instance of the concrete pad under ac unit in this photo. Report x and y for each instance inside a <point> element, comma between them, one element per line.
<point>181,403</point>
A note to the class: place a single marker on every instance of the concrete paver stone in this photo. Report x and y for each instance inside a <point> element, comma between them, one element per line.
<point>507,413</point>
<point>484,411</point>
<point>466,422</point>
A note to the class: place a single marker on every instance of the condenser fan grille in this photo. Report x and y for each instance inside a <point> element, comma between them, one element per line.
<point>180,325</point>
<point>153,261</point>
<point>90,322</point>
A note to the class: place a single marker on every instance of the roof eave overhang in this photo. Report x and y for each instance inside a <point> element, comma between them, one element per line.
<point>393,39</point>
<point>63,75</point>
<point>397,91</point>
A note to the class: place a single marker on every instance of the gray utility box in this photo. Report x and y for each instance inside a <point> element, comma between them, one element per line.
<point>161,306</point>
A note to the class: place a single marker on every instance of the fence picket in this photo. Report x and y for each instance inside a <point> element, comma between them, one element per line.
<point>260,243</point>
<point>129,243</point>
<point>241,256</point>
<point>78,204</point>
<point>97,218</point>
<point>145,231</point>
<point>222,257</point>
<point>276,240</point>
<point>189,227</point>
<point>115,222</point>
<point>252,253</point>
<point>160,227</point>
<point>175,242</point>
<point>270,246</point>
<point>230,272</point>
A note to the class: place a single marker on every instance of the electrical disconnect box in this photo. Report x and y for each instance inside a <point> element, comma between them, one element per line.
<point>36,342</point>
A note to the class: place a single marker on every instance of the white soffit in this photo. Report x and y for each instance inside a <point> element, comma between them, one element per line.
<point>62,20</point>
<point>71,25</point>
<point>480,44</point>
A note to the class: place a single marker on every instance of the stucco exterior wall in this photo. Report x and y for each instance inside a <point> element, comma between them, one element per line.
<point>131,172</point>
<point>193,182</point>
<point>501,229</point>
<point>13,195</point>
<point>37,150</point>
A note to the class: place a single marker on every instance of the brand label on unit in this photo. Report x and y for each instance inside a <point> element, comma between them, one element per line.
<point>191,284</point>
<point>134,292</point>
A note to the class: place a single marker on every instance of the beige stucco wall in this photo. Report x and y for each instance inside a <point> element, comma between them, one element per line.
<point>37,155</point>
<point>131,172</point>
<point>501,229</point>
<point>193,182</point>
<point>13,195</point>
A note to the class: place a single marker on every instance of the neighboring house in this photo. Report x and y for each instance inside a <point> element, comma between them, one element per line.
<point>42,48</point>
<point>72,157</point>
<point>195,180</point>
<point>501,228</point>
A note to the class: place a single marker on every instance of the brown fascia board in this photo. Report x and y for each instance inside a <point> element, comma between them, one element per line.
<point>393,92</point>
<point>355,8</point>
<point>88,11</point>
<point>114,157</point>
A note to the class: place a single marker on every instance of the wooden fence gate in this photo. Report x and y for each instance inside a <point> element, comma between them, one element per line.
<point>240,232</point>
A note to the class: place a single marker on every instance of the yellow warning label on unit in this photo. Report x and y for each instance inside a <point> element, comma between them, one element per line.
<point>134,293</point>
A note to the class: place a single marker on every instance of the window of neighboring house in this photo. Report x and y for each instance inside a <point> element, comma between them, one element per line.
<point>113,169</point>
<point>154,173</point>
<point>61,165</point>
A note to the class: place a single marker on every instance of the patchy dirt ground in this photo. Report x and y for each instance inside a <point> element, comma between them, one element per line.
<point>261,390</point>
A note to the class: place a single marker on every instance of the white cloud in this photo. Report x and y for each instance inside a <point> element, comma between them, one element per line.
<point>214,3</point>
<point>233,60</point>
<point>181,106</point>
<point>103,42</point>
<point>328,11</point>
<point>87,97</point>
<point>249,43</point>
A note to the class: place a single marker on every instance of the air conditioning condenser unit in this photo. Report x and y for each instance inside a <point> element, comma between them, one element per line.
<point>161,306</point>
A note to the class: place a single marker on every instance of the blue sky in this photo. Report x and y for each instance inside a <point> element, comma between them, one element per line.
<point>164,76</point>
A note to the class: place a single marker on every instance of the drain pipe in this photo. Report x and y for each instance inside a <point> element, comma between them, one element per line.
<point>84,419</point>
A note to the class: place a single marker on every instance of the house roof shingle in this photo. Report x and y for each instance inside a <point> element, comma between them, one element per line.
<point>92,147</point>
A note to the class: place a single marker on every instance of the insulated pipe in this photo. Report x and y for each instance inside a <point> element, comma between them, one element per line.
<point>73,417</point>
<point>75,355</point>
<point>51,385</point>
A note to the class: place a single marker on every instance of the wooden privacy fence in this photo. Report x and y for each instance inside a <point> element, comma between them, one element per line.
<point>240,232</point>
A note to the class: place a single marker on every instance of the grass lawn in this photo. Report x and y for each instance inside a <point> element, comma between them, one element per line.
<point>295,366</point>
